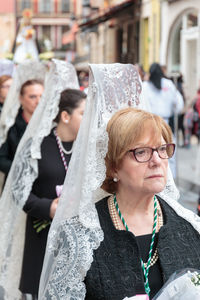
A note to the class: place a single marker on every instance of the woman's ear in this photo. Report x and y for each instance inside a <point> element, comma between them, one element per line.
<point>65,117</point>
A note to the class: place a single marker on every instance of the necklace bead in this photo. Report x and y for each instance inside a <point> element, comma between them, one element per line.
<point>115,219</point>
<point>115,212</point>
<point>61,150</point>
<point>61,145</point>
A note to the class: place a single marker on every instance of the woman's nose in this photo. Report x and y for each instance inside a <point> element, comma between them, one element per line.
<point>155,157</point>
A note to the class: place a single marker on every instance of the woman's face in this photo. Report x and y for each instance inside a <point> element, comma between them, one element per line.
<point>5,88</point>
<point>75,118</point>
<point>146,178</point>
<point>31,97</point>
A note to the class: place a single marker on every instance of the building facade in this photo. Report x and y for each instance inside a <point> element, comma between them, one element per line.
<point>51,20</point>
<point>149,33</point>
<point>7,25</point>
<point>108,31</point>
<point>180,41</point>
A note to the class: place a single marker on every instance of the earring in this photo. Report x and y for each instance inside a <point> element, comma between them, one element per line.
<point>66,121</point>
<point>115,179</point>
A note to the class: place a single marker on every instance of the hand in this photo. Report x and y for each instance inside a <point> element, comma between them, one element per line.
<point>53,207</point>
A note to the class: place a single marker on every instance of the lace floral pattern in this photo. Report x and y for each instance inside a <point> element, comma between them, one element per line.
<point>23,167</point>
<point>25,71</point>
<point>23,172</point>
<point>63,284</point>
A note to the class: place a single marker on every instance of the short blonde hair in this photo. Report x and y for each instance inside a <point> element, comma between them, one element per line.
<point>125,129</point>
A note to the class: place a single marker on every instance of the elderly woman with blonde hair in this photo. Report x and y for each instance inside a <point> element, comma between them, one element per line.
<point>118,231</point>
<point>145,241</point>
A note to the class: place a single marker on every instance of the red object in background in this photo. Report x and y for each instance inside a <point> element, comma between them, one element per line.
<point>197,104</point>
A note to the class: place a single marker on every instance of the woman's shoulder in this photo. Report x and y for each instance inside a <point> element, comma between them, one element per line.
<point>178,217</point>
<point>102,204</point>
<point>167,83</point>
<point>49,139</point>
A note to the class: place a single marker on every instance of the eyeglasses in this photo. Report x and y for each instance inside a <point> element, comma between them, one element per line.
<point>145,154</point>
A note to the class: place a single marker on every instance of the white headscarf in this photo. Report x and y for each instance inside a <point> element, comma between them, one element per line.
<point>75,232</point>
<point>22,174</point>
<point>26,71</point>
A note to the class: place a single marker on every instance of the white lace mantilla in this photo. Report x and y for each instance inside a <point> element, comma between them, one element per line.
<point>69,253</point>
<point>23,173</point>
<point>64,285</point>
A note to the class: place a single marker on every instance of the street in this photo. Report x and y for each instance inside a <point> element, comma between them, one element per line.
<point>188,175</point>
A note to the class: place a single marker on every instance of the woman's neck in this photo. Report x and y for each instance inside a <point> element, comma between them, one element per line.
<point>137,210</point>
<point>64,133</point>
<point>26,116</point>
<point>132,203</point>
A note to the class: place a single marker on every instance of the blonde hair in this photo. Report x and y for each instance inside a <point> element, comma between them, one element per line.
<point>125,129</point>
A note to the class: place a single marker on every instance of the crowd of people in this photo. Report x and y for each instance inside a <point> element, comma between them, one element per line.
<point>89,206</point>
<point>181,115</point>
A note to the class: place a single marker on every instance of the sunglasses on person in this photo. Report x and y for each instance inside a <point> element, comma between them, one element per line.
<point>144,154</point>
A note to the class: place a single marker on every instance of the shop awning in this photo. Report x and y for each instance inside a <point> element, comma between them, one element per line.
<point>105,14</point>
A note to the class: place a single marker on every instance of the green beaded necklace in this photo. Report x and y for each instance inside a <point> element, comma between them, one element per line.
<point>145,270</point>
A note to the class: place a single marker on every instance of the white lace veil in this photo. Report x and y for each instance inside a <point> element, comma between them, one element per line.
<point>26,71</point>
<point>75,231</point>
<point>6,67</point>
<point>22,174</point>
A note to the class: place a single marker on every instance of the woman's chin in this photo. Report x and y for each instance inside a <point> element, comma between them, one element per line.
<point>157,188</point>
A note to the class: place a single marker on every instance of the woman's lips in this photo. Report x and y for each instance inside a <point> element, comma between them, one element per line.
<point>155,176</point>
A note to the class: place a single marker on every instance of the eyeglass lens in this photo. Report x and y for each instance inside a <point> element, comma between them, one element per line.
<point>145,154</point>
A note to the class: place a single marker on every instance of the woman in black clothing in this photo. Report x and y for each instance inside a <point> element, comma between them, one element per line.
<point>41,205</point>
<point>145,241</point>
<point>92,252</point>
<point>30,94</point>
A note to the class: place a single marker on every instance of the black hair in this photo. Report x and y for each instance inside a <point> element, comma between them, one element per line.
<point>69,100</point>
<point>30,82</point>
<point>156,74</point>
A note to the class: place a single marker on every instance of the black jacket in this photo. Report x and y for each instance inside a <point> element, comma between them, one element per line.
<point>8,149</point>
<point>116,271</point>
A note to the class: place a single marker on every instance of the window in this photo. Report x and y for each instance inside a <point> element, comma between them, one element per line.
<point>25,4</point>
<point>45,6</point>
<point>65,6</point>
<point>86,2</point>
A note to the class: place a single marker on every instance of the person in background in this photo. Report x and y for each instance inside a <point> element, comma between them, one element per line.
<point>30,94</point>
<point>84,81</point>
<point>40,207</point>
<point>163,97</point>
<point>5,83</point>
